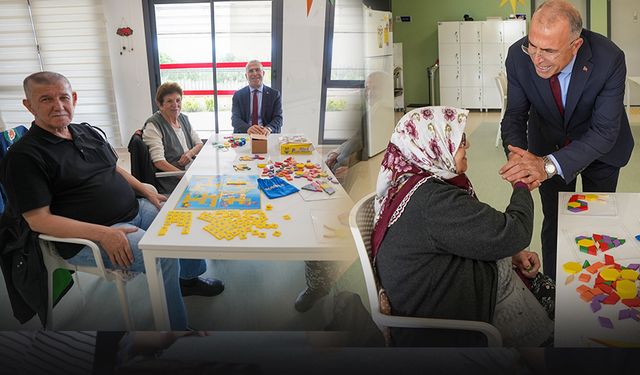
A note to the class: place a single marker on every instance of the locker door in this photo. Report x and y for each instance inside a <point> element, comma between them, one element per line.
<point>448,32</point>
<point>449,54</point>
<point>470,32</point>
<point>449,76</point>
<point>492,32</point>
<point>450,96</point>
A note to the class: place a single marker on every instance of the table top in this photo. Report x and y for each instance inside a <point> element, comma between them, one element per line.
<point>576,324</point>
<point>303,237</point>
<point>635,79</point>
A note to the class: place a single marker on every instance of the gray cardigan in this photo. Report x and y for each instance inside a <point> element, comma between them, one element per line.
<point>439,259</point>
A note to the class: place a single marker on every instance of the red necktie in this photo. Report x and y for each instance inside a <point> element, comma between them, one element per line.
<point>254,112</point>
<point>557,94</point>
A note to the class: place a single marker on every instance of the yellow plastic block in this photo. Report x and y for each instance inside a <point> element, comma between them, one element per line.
<point>276,233</point>
<point>572,267</point>
<point>591,197</point>
<point>573,204</point>
<point>286,217</point>
<point>629,275</point>
<point>626,289</point>
<point>610,274</point>
<point>586,242</point>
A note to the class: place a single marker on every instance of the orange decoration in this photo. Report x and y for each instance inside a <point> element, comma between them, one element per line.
<point>309,3</point>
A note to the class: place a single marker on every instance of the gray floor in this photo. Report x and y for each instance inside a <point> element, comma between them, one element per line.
<point>259,295</point>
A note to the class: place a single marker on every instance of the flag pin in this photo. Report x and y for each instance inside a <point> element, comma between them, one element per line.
<point>584,69</point>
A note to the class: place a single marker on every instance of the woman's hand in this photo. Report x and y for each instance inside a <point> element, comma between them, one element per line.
<point>186,158</point>
<point>528,262</point>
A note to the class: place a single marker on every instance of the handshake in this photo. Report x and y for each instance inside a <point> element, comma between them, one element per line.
<point>524,167</point>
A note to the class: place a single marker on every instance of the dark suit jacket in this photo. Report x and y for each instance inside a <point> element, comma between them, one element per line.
<point>594,120</point>
<point>271,110</point>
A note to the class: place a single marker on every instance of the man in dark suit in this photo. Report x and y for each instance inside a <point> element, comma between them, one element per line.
<point>565,115</point>
<point>267,118</point>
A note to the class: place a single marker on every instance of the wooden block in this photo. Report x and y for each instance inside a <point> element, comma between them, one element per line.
<point>582,288</point>
<point>632,302</point>
<point>612,299</point>
<point>586,296</point>
<point>608,259</point>
<point>584,277</point>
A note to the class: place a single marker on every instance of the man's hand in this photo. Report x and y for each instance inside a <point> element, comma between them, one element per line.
<point>523,166</point>
<point>528,262</point>
<point>115,244</point>
<point>156,199</point>
<point>258,129</point>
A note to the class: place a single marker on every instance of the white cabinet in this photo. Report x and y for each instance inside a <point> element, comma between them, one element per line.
<point>471,55</point>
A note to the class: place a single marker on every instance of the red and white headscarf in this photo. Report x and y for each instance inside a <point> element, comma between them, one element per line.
<point>422,146</point>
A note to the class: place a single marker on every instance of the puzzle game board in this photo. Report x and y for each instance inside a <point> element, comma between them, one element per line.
<point>237,192</point>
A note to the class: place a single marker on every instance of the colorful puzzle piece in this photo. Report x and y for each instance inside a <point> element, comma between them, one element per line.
<point>572,267</point>
<point>626,289</point>
<point>179,218</point>
<point>605,322</point>
<point>602,242</point>
<point>229,224</point>
<point>579,202</point>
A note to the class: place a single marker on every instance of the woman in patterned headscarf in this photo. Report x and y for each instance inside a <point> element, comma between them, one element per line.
<point>442,253</point>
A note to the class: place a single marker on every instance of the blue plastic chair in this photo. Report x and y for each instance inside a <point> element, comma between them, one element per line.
<point>7,139</point>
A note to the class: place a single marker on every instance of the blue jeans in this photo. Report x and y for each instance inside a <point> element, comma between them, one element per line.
<point>192,268</point>
<point>170,267</point>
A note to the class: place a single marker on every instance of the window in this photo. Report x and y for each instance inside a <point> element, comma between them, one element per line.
<point>204,47</point>
<point>343,72</point>
<point>71,38</point>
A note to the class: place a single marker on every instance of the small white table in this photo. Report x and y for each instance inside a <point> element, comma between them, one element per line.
<point>575,323</point>
<point>299,239</point>
<point>631,80</point>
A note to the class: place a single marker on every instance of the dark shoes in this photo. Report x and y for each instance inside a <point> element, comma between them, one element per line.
<point>308,297</point>
<point>201,286</point>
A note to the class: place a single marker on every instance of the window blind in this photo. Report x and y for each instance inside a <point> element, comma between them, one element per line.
<point>72,41</point>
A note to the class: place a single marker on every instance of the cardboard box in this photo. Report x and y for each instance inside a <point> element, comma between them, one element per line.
<point>305,148</point>
<point>258,144</point>
<point>295,144</point>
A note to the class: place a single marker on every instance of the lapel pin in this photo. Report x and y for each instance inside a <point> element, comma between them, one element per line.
<point>585,69</point>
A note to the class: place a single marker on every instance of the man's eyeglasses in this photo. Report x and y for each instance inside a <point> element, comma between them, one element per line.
<point>545,53</point>
<point>254,70</point>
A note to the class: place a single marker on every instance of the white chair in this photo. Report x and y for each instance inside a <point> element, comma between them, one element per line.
<point>53,261</point>
<point>361,223</point>
<point>501,81</point>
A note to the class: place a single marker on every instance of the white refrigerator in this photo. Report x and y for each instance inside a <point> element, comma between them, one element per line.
<point>378,65</point>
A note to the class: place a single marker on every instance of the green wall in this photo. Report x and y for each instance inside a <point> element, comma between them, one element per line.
<point>599,16</point>
<point>419,37</point>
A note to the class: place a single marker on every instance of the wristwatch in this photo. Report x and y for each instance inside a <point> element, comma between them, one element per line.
<point>549,167</point>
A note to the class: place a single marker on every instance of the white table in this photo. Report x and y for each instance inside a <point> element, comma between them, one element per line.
<point>575,324</point>
<point>631,80</point>
<point>299,239</point>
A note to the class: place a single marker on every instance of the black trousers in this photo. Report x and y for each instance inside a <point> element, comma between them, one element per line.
<point>597,177</point>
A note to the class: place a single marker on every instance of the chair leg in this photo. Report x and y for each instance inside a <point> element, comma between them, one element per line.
<point>49,320</point>
<point>122,293</point>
